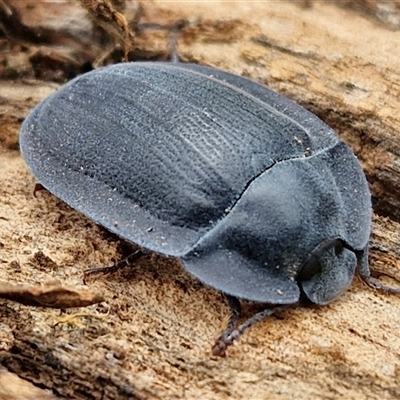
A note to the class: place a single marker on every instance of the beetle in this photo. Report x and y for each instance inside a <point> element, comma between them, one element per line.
<point>256,196</point>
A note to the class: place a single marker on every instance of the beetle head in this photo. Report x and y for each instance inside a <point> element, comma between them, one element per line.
<point>328,272</point>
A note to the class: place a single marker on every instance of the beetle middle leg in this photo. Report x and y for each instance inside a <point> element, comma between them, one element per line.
<point>114,268</point>
<point>230,334</point>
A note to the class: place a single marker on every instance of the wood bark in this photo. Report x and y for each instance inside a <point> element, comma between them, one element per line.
<point>151,337</point>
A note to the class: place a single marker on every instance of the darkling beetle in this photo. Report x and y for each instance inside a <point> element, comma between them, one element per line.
<point>256,196</point>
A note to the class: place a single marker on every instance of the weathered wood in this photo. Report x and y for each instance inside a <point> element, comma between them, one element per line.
<point>152,336</point>
<point>14,388</point>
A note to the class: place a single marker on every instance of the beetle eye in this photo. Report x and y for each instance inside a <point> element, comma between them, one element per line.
<point>338,246</point>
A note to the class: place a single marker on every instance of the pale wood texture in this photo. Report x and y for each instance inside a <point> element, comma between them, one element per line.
<point>152,336</point>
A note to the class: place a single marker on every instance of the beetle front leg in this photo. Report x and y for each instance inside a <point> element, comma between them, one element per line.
<point>365,274</point>
<point>236,309</point>
<point>229,335</point>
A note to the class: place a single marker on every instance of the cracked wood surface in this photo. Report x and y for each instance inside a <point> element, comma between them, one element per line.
<point>151,337</point>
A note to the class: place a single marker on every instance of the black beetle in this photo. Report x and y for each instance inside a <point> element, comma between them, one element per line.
<point>255,195</point>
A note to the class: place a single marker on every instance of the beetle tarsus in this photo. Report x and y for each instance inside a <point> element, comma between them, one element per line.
<point>113,268</point>
<point>219,348</point>
<point>229,335</point>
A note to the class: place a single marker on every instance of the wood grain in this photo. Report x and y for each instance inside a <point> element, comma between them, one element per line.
<point>151,338</point>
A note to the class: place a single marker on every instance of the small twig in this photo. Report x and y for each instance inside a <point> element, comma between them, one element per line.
<point>51,295</point>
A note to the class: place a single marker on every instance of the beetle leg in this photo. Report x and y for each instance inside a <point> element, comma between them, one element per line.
<point>365,274</point>
<point>113,268</point>
<point>38,187</point>
<point>229,335</point>
<point>236,310</point>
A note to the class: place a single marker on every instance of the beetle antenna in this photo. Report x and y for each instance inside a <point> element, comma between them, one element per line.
<point>113,268</point>
<point>229,335</point>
